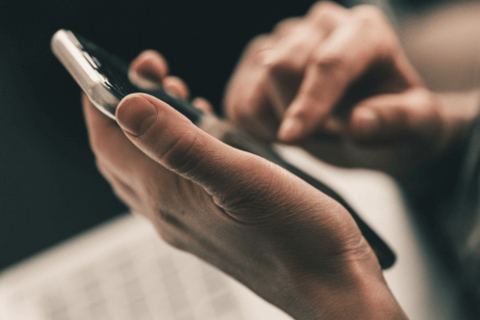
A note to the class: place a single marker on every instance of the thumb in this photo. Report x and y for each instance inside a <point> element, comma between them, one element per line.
<point>250,189</point>
<point>169,138</point>
<point>392,118</point>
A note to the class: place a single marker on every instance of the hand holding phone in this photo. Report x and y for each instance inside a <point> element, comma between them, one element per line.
<point>104,79</point>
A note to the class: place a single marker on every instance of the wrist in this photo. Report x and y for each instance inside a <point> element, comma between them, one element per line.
<point>358,291</point>
<point>367,299</point>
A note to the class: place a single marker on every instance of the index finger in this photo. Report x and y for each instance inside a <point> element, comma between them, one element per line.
<point>337,62</point>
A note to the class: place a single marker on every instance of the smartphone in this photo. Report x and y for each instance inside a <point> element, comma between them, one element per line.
<point>104,78</point>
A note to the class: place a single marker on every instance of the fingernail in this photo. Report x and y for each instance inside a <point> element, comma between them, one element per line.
<point>290,129</point>
<point>148,72</point>
<point>136,115</point>
<point>141,81</point>
<point>171,92</point>
<point>366,123</point>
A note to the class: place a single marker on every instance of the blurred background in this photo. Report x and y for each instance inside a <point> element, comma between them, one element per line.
<point>50,189</point>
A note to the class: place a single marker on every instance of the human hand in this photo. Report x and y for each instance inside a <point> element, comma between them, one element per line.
<point>285,240</point>
<point>338,83</point>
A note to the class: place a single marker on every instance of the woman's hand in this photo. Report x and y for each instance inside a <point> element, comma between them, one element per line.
<point>338,83</point>
<point>285,240</point>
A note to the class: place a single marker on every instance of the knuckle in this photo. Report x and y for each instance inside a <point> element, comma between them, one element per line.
<point>257,52</point>
<point>323,8</point>
<point>325,15</point>
<point>258,44</point>
<point>425,98</point>
<point>369,16</point>
<point>308,109</point>
<point>287,61</point>
<point>286,26</point>
<point>268,57</point>
<point>332,63</point>
<point>374,23</point>
<point>305,111</point>
<point>329,60</point>
<point>281,66</point>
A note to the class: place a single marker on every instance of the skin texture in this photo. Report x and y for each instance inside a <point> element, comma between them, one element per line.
<point>285,240</point>
<point>338,83</point>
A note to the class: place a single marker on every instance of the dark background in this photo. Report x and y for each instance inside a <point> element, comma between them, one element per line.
<point>49,186</point>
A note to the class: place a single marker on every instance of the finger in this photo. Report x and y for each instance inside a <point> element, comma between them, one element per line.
<point>321,9</point>
<point>167,136</point>
<point>112,148</point>
<point>246,100</point>
<point>285,64</point>
<point>393,118</point>
<point>150,65</point>
<point>237,180</point>
<point>295,40</point>
<point>251,108</point>
<point>149,70</point>
<point>337,62</point>
<point>202,104</point>
<point>177,144</point>
<point>176,87</point>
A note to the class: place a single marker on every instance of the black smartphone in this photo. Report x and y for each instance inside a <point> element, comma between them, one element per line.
<point>104,78</point>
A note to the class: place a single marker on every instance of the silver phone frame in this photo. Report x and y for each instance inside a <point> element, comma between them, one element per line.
<point>68,49</point>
